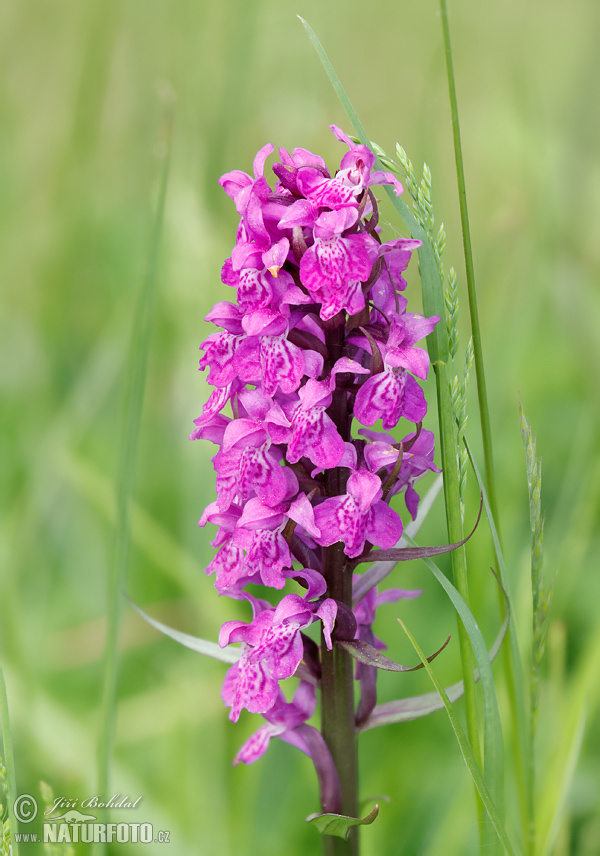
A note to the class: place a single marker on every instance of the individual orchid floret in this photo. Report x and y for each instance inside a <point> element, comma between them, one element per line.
<point>267,356</point>
<point>252,547</point>
<point>356,168</point>
<point>220,349</point>
<point>228,565</point>
<point>217,400</point>
<point>259,531</point>
<point>313,432</point>
<point>395,256</point>
<point>406,330</point>
<point>257,276</point>
<point>259,556</point>
<point>249,684</point>
<point>334,267</point>
<point>250,195</point>
<point>358,516</point>
<point>283,719</point>
<point>389,396</point>
<point>246,466</point>
<point>272,649</point>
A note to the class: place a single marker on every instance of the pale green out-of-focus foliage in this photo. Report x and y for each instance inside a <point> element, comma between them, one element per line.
<point>81,93</point>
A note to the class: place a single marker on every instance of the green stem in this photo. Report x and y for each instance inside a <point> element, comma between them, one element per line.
<point>484,414</point>
<point>459,559</point>
<point>523,759</point>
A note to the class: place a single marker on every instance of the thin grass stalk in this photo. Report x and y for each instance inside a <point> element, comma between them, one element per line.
<point>484,414</point>
<point>540,596</point>
<point>514,679</point>
<point>9,762</point>
<point>459,558</point>
<point>523,762</point>
<point>493,752</point>
<point>138,358</point>
<point>467,753</point>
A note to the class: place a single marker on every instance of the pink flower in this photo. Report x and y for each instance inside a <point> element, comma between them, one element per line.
<point>334,267</point>
<point>271,650</point>
<point>283,719</point>
<point>389,396</point>
<point>358,516</point>
<point>250,195</point>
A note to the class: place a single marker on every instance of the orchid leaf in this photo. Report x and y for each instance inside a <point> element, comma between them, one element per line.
<point>340,824</point>
<point>201,646</point>
<point>407,709</point>
<point>415,707</point>
<point>408,554</point>
<point>366,653</point>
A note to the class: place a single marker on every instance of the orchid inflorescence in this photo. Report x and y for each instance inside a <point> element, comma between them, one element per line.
<point>319,336</point>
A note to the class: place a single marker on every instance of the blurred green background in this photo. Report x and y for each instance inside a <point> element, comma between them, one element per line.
<point>80,115</point>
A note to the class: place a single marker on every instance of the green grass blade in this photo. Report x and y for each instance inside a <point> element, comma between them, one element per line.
<point>484,413</point>
<point>467,754</point>
<point>10,765</point>
<point>514,676</point>
<point>555,801</point>
<point>335,81</point>
<point>403,710</point>
<point>581,701</point>
<point>455,534</point>
<point>140,340</point>
<point>493,743</point>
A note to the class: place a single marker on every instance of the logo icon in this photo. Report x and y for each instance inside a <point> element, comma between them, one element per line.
<point>25,808</point>
<point>72,816</point>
